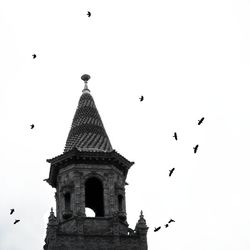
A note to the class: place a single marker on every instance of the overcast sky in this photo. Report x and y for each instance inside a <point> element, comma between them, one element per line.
<point>188,58</point>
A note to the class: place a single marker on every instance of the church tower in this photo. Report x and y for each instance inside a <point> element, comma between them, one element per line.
<point>91,174</point>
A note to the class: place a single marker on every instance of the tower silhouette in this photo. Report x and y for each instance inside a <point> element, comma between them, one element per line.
<point>90,174</point>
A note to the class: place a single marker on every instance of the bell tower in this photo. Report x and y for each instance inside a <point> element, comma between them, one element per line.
<point>91,174</point>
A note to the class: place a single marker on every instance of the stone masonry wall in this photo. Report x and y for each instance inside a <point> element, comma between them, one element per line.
<point>70,242</point>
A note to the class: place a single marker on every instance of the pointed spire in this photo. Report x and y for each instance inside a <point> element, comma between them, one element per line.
<point>52,218</point>
<point>142,220</point>
<point>141,215</point>
<point>141,224</point>
<point>87,132</point>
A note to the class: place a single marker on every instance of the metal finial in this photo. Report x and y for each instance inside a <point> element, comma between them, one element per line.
<point>85,78</point>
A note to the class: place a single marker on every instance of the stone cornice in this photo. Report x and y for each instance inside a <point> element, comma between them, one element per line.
<point>75,156</point>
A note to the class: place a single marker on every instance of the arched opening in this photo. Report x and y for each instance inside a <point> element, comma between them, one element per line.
<point>67,212</point>
<point>67,199</point>
<point>120,201</point>
<point>94,196</point>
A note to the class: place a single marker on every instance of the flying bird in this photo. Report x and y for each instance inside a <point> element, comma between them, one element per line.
<point>141,98</point>
<point>175,136</point>
<point>157,229</point>
<point>34,56</point>
<point>171,171</point>
<point>171,221</point>
<point>89,14</point>
<point>16,221</point>
<point>32,126</point>
<point>12,210</point>
<point>195,148</point>
<point>200,121</point>
<point>166,225</point>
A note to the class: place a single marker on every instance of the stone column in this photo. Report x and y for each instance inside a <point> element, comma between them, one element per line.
<point>77,192</point>
<point>111,194</point>
<point>105,199</point>
<point>82,195</point>
<point>61,204</point>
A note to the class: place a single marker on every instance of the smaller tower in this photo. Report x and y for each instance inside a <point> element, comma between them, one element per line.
<point>142,229</point>
<point>51,229</point>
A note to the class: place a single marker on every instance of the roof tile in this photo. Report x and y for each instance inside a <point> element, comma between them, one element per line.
<point>87,131</point>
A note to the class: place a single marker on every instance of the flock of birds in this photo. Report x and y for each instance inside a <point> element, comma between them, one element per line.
<point>196,146</point>
<point>12,210</point>
<point>158,228</point>
<point>172,170</point>
<point>175,134</point>
<point>34,57</point>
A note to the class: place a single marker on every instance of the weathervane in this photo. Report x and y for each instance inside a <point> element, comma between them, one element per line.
<point>85,78</point>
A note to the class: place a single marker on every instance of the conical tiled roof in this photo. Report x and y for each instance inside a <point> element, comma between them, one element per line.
<point>87,132</point>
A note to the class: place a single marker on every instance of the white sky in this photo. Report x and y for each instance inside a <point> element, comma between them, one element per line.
<point>188,58</point>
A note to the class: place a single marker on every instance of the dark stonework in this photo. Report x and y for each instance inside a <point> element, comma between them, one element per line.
<point>95,234</point>
<point>92,175</point>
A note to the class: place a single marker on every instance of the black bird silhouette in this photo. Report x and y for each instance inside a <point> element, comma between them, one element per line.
<point>200,121</point>
<point>175,136</point>
<point>166,225</point>
<point>141,98</point>
<point>89,14</point>
<point>157,229</point>
<point>12,210</point>
<point>195,148</point>
<point>171,221</point>
<point>171,171</point>
<point>32,126</point>
<point>16,221</point>
<point>34,56</point>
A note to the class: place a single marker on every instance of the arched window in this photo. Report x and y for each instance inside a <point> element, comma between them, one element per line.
<point>67,201</point>
<point>94,195</point>
<point>120,201</point>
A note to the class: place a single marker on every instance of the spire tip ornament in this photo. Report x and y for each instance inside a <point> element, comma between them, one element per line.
<point>85,78</point>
